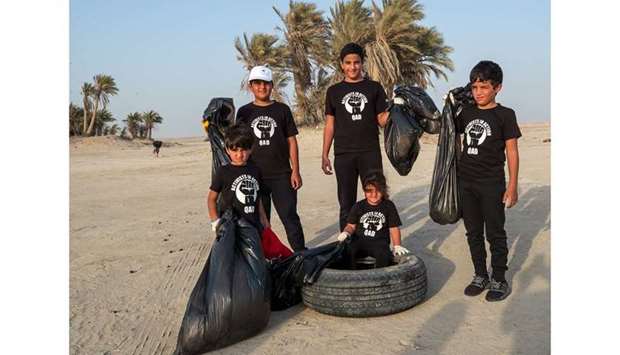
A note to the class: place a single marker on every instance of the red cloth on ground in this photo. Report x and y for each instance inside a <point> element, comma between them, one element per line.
<point>272,246</point>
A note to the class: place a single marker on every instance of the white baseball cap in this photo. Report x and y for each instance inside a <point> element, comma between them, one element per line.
<point>260,72</point>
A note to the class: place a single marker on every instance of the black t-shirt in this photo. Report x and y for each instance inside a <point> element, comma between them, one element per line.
<point>355,107</point>
<point>272,125</point>
<point>374,222</point>
<point>239,187</point>
<point>484,141</point>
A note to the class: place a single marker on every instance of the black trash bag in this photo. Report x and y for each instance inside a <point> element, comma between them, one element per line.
<point>444,197</point>
<point>421,106</point>
<point>431,126</point>
<point>231,299</point>
<point>220,114</point>
<point>412,112</point>
<point>303,267</point>
<point>401,135</point>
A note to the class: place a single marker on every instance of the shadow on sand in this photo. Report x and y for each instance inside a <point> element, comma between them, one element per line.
<point>532,217</point>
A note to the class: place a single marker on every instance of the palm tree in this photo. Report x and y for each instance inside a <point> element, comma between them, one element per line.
<point>75,120</point>
<point>398,49</point>
<point>151,118</point>
<point>113,129</point>
<point>306,35</point>
<point>316,96</point>
<point>87,91</point>
<point>261,49</point>
<point>393,39</point>
<point>133,122</point>
<point>349,22</point>
<point>103,118</point>
<point>280,82</point>
<point>433,55</point>
<point>104,86</point>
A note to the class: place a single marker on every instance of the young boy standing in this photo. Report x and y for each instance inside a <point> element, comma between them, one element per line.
<point>239,182</point>
<point>490,138</point>
<point>354,108</point>
<point>274,152</point>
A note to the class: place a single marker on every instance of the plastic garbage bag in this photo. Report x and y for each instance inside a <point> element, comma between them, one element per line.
<point>219,115</point>
<point>303,267</point>
<point>444,198</point>
<point>231,299</point>
<point>401,135</point>
<point>412,112</point>
<point>421,106</point>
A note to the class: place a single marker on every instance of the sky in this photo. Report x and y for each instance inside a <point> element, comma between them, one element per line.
<point>174,56</point>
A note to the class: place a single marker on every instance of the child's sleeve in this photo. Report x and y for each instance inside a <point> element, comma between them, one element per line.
<point>380,100</point>
<point>217,183</point>
<point>291,128</point>
<point>511,128</point>
<point>354,215</point>
<point>329,108</point>
<point>393,217</point>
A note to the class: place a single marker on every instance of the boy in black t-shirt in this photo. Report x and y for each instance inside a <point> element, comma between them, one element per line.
<point>354,108</point>
<point>372,223</point>
<point>490,136</point>
<point>239,182</point>
<point>274,151</point>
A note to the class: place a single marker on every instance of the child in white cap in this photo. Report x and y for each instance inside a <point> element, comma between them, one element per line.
<point>275,152</point>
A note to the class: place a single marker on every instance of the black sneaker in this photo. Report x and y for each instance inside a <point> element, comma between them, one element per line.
<point>477,285</point>
<point>498,291</point>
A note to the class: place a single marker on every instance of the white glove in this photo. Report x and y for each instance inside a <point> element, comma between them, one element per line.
<point>214,225</point>
<point>399,251</point>
<point>343,236</point>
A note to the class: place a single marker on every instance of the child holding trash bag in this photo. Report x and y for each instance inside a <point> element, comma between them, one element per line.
<point>275,152</point>
<point>372,223</point>
<point>239,182</point>
<point>354,108</point>
<point>490,136</point>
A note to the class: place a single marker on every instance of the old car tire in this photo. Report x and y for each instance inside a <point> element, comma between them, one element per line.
<point>367,293</point>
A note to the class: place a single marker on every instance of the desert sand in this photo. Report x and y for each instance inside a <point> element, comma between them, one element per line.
<point>140,236</point>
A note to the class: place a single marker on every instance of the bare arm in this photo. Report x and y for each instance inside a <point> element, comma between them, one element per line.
<point>293,151</point>
<point>349,228</point>
<point>512,156</point>
<point>212,204</point>
<point>395,235</point>
<point>382,118</point>
<point>328,137</point>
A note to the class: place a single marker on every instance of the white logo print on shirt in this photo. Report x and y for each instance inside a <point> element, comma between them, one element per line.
<point>264,127</point>
<point>354,102</point>
<point>246,190</point>
<point>372,222</point>
<point>476,131</point>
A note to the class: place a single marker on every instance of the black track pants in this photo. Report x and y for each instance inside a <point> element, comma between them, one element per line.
<point>483,210</point>
<point>285,201</point>
<point>349,168</point>
<point>363,247</point>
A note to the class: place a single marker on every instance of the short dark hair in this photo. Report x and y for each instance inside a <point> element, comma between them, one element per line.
<point>352,48</point>
<point>239,136</point>
<point>486,70</point>
<point>377,179</point>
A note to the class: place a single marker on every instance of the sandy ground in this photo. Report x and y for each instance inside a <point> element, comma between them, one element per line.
<point>140,237</point>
